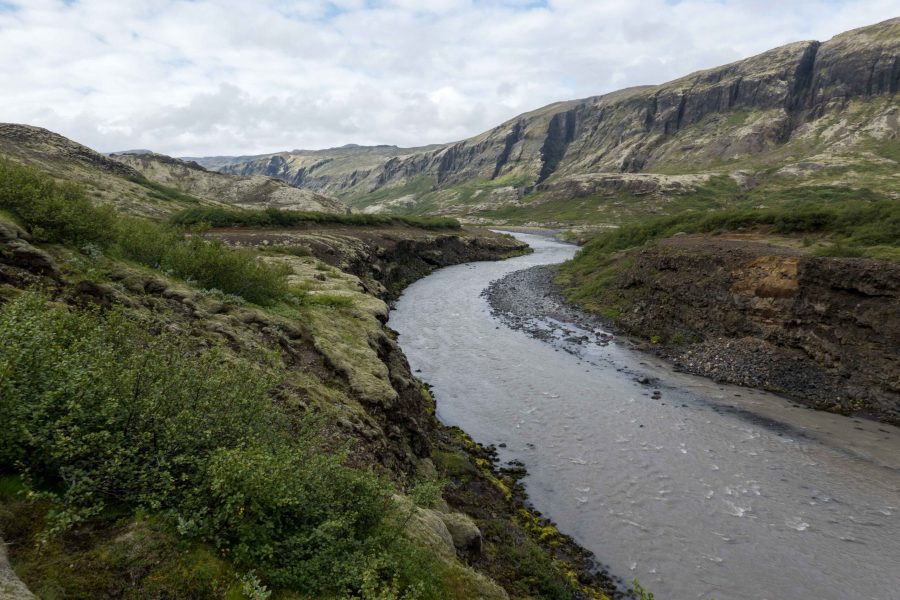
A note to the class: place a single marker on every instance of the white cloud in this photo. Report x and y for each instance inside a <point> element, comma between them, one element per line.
<point>230,76</point>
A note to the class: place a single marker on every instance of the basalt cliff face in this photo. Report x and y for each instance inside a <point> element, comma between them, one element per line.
<point>802,107</point>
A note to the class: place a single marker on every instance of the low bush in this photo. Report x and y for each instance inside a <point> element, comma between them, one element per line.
<point>97,405</point>
<point>52,211</point>
<point>310,520</point>
<point>163,192</point>
<point>99,413</point>
<point>207,263</point>
<point>291,249</point>
<point>852,223</point>
<point>61,213</point>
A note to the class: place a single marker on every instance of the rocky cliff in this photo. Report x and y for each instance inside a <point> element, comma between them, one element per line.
<point>810,102</point>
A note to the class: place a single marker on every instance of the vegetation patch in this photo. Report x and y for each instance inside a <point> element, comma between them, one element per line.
<point>108,417</point>
<point>160,191</point>
<point>272,217</point>
<point>61,213</point>
<point>862,224</point>
<point>53,211</point>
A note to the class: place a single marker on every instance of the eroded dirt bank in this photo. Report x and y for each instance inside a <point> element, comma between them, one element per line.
<point>825,331</point>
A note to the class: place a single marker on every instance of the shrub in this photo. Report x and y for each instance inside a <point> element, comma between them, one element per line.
<point>211,264</point>
<point>311,521</point>
<point>53,211</point>
<point>291,249</point>
<point>96,405</point>
<point>60,212</point>
<point>163,192</point>
<point>859,223</point>
<point>208,263</point>
<point>98,411</point>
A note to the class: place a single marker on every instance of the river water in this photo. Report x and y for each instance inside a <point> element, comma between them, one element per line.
<point>710,491</point>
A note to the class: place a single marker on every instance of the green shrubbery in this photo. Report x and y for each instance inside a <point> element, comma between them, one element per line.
<point>97,405</point>
<point>60,212</point>
<point>208,263</point>
<point>307,518</point>
<point>53,211</point>
<point>101,414</point>
<point>853,224</point>
<point>272,217</point>
<point>163,192</point>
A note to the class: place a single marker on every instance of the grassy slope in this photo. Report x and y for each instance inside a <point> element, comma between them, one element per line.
<point>328,363</point>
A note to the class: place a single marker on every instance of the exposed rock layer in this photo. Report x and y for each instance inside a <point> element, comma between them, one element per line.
<point>633,130</point>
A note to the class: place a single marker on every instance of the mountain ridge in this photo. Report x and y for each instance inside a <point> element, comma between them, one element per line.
<point>741,111</point>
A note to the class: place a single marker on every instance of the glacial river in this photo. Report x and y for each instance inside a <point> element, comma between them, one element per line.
<point>710,491</point>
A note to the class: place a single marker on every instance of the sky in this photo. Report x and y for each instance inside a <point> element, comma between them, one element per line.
<point>227,77</point>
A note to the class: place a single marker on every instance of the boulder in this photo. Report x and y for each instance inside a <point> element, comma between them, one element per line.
<point>11,587</point>
<point>465,534</point>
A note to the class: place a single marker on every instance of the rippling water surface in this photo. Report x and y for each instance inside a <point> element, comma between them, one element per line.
<point>710,491</point>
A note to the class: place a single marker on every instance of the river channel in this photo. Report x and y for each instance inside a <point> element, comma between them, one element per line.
<point>709,491</point>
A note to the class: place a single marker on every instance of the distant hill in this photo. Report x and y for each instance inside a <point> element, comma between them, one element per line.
<point>150,184</point>
<point>255,191</point>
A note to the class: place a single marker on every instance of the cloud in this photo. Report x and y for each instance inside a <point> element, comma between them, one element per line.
<point>234,77</point>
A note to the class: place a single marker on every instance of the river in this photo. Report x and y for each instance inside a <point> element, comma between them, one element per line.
<point>710,491</point>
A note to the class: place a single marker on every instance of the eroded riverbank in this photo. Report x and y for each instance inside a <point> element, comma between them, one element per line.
<point>704,491</point>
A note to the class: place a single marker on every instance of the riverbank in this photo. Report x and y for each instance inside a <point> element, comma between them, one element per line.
<point>340,381</point>
<point>523,299</point>
<point>823,331</point>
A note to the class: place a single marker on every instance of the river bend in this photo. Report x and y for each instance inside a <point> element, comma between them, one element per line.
<point>710,491</point>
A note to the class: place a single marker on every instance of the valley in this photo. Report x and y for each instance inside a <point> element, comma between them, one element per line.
<point>647,340</point>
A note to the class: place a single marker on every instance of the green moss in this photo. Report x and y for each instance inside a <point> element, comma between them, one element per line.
<point>131,558</point>
<point>455,464</point>
<point>736,119</point>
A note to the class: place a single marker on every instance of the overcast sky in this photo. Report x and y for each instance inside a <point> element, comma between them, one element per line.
<point>208,77</point>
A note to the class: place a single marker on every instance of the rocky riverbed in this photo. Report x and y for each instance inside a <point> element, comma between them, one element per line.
<point>525,300</point>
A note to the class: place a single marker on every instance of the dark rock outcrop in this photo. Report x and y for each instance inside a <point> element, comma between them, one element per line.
<point>825,330</point>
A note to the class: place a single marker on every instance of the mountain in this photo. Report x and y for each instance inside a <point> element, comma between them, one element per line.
<point>805,114</point>
<point>149,184</point>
